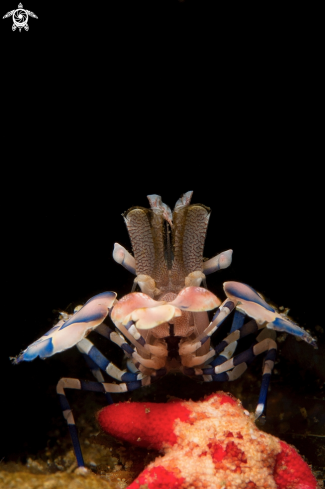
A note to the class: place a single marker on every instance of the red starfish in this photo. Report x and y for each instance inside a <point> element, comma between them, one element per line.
<point>209,444</point>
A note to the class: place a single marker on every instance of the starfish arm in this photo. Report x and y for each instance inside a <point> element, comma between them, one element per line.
<point>202,441</point>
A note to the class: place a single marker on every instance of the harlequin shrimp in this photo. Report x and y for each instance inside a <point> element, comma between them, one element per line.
<point>164,326</point>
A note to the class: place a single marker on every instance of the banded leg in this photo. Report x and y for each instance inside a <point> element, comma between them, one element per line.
<point>223,311</point>
<point>89,349</point>
<point>107,332</point>
<point>66,383</point>
<point>149,349</point>
<point>132,334</point>
<point>97,374</point>
<point>238,321</point>
<point>265,340</point>
<point>263,344</point>
<point>146,355</point>
<point>222,358</point>
<point>226,353</point>
<point>247,329</point>
<point>247,356</point>
<point>219,317</point>
<point>269,361</point>
<point>200,374</point>
<point>229,344</point>
<point>118,339</point>
<point>237,365</point>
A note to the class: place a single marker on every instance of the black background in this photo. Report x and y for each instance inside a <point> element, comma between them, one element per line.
<point>103,104</point>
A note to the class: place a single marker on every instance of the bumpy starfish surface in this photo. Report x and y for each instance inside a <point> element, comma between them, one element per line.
<point>209,444</point>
